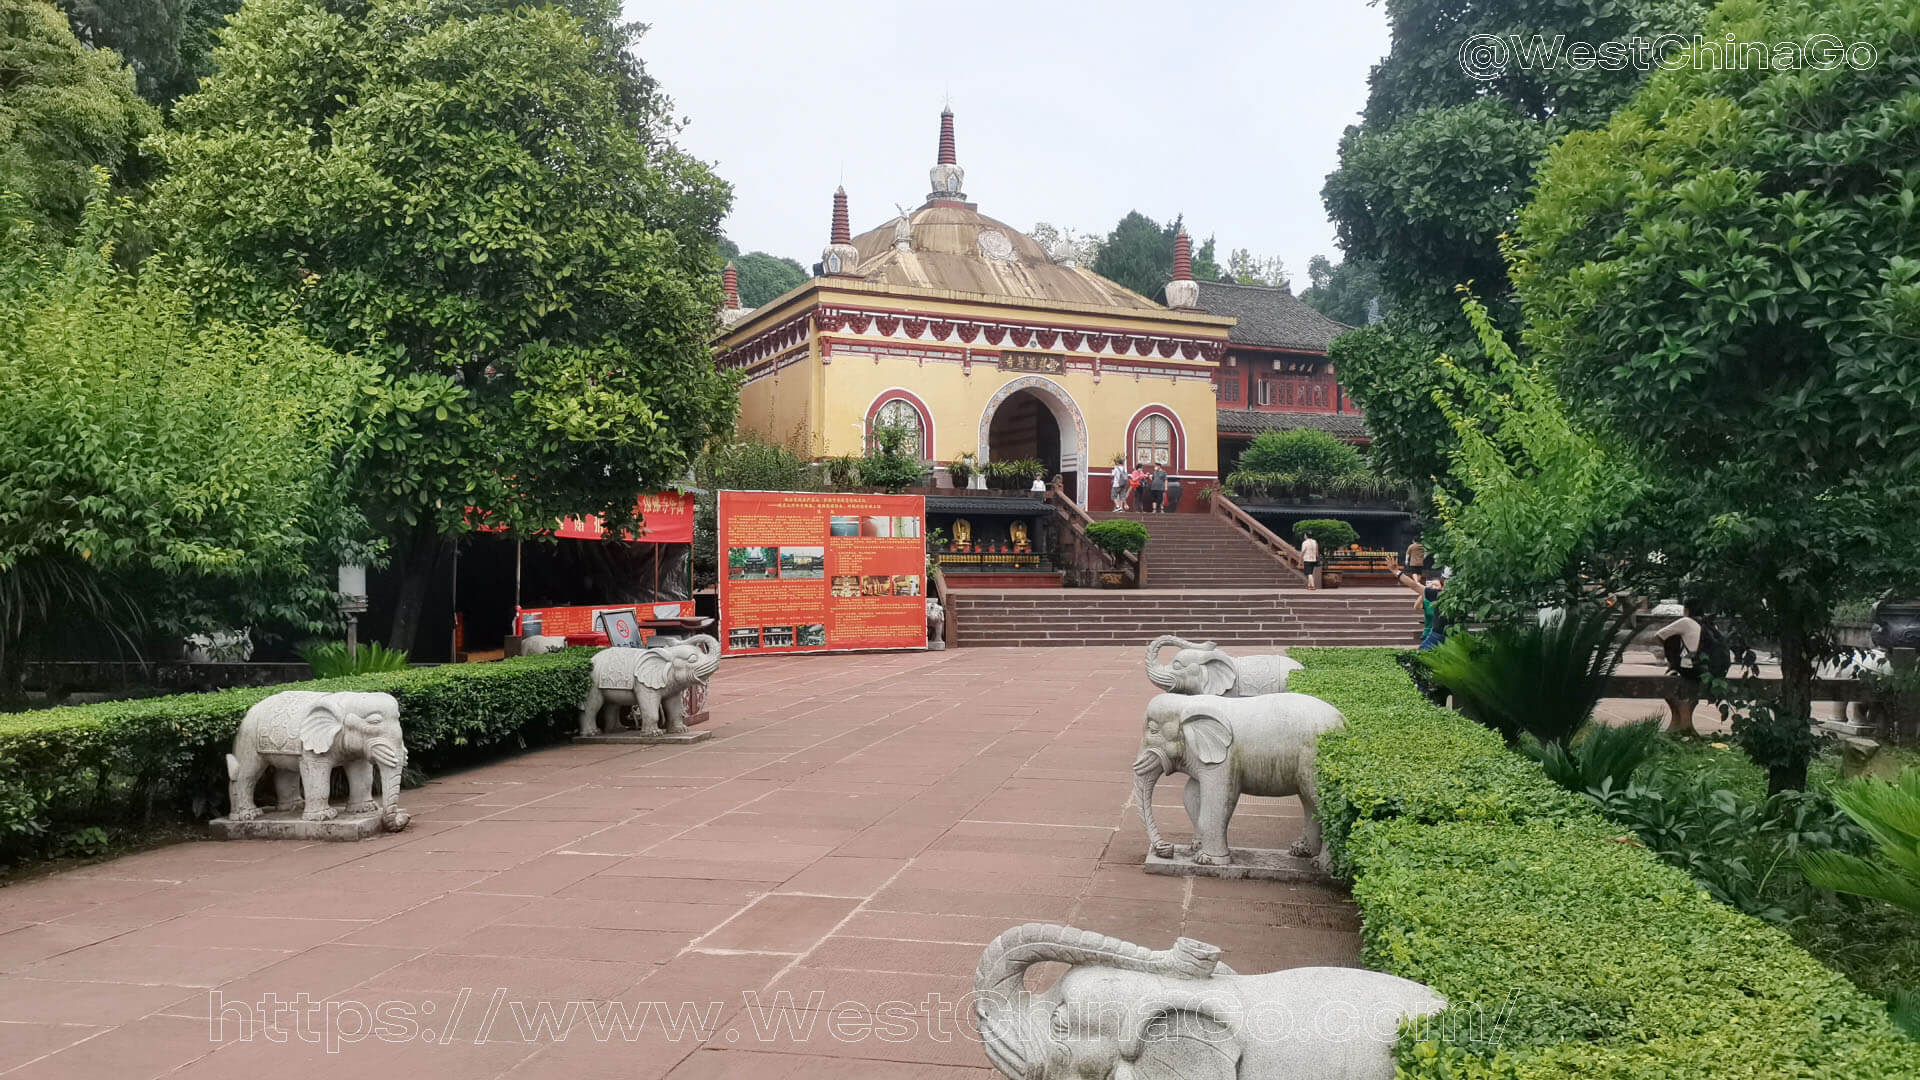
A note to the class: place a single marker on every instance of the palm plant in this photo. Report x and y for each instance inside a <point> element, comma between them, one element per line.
<point>1605,759</point>
<point>1543,678</point>
<point>331,660</point>
<point>1890,813</point>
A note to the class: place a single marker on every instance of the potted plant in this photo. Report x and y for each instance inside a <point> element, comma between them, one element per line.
<point>1118,539</point>
<point>962,468</point>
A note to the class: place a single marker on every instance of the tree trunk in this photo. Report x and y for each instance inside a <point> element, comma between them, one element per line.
<point>417,566</point>
<point>1796,706</point>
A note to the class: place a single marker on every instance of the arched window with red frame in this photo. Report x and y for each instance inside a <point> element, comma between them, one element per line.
<point>900,409</point>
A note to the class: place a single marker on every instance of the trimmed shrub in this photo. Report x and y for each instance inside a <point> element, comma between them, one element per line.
<point>1564,948</point>
<point>1116,538</point>
<point>1332,533</point>
<point>118,763</point>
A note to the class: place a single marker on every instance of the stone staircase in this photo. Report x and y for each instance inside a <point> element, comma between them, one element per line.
<point>1242,617</point>
<point>1200,551</point>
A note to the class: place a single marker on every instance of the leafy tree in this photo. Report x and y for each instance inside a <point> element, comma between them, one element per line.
<point>1726,280</point>
<point>169,43</point>
<point>64,109</point>
<point>743,464</point>
<point>486,197</point>
<point>1066,246</point>
<point>763,277</point>
<point>1138,254</point>
<point>1537,493</point>
<point>158,472</point>
<point>1345,292</point>
<point>1248,269</point>
<point>1434,174</point>
<point>888,463</point>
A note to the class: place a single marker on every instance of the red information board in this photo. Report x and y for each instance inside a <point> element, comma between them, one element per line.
<point>808,571</point>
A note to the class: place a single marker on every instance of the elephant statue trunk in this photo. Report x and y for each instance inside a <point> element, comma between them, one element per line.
<point>1125,1012</point>
<point>1148,768</point>
<point>1162,674</point>
<point>1014,1039</point>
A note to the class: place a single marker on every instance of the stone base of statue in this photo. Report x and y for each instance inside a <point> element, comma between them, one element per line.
<point>289,825</point>
<point>634,736</point>
<point>1257,864</point>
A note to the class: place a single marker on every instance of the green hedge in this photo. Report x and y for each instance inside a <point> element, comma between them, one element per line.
<point>118,763</point>
<point>1565,949</point>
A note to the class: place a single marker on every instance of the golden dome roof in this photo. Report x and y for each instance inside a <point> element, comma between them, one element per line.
<point>956,248</point>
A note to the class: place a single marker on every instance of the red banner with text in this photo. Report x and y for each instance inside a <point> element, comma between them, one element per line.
<point>805,571</point>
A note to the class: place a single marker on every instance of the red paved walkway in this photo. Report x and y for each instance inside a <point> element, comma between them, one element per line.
<point>860,827</point>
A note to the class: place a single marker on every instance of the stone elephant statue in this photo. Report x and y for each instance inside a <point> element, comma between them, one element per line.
<point>303,735</point>
<point>1201,668</point>
<point>1125,1012</point>
<point>1230,747</point>
<point>654,679</point>
<point>541,644</point>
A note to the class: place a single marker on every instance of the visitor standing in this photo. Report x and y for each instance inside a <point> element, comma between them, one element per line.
<point>1691,649</point>
<point>1417,559</point>
<point>1134,479</point>
<point>1433,625</point>
<point>1310,560</point>
<point>1157,490</point>
<point>1172,501</point>
<point>1119,482</point>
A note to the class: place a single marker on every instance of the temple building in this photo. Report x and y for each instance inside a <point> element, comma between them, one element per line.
<point>1276,376</point>
<point>961,329</point>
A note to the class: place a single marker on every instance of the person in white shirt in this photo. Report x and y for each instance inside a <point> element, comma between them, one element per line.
<point>1120,485</point>
<point>1310,560</point>
<point>1680,648</point>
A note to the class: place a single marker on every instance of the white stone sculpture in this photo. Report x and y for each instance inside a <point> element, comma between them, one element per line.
<point>655,680</point>
<point>1125,1012</point>
<point>936,624</point>
<point>1202,668</point>
<point>541,644</point>
<point>1230,747</point>
<point>303,735</point>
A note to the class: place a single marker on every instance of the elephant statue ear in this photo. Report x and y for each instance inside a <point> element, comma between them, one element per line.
<point>1190,1043</point>
<point>1221,676</point>
<point>1207,737</point>
<point>321,726</point>
<point>651,670</point>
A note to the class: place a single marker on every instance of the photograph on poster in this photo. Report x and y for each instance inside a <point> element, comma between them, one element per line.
<point>813,634</point>
<point>807,563</point>
<point>843,526</point>
<point>776,637</point>
<point>908,527</point>
<point>906,585</point>
<point>881,527</point>
<point>744,637</point>
<point>753,563</point>
<point>876,585</point>
<point>846,586</point>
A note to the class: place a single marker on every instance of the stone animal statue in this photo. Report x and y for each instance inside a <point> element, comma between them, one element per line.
<point>1230,747</point>
<point>1125,1012</point>
<point>541,644</point>
<point>1201,668</point>
<point>936,625</point>
<point>653,679</point>
<point>303,735</point>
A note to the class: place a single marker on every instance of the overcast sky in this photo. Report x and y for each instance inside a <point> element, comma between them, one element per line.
<point>1069,113</point>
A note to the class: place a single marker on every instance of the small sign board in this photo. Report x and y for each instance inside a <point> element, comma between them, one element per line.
<point>621,626</point>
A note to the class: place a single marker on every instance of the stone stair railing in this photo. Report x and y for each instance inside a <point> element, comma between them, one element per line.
<point>950,630</point>
<point>1082,559</point>
<point>1284,553</point>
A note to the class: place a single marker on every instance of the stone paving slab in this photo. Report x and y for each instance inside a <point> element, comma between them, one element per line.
<point>805,894</point>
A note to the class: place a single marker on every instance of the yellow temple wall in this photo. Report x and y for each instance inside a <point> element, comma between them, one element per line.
<point>958,399</point>
<point>782,408</point>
